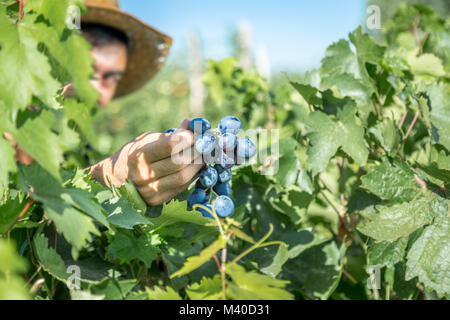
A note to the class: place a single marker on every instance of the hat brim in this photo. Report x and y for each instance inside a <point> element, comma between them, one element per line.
<point>148,51</point>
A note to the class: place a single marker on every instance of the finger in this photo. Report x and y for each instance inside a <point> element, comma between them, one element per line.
<point>185,124</point>
<point>159,198</point>
<point>172,182</point>
<point>146,174</point>
<point>166,146</point>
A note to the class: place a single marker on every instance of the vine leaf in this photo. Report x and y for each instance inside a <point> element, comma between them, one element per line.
<point>38,140</point>
<point>175,212</point>
<point>126,246</point>
<point>387,253</point>
<point>429,258</point>
<point>207,289</point>
<point>400,220</point>
<point>195,262</point>
<point>250,285</point>
<point>328,135</point>
<point>122,214</point>
<point>317,270</point>
<point>167,293</point>
<point>391,181</point>
<point>440,113</point>
<point>7,163</point>
<point>29,75</point>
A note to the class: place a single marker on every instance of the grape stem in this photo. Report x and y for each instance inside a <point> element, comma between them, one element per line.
<point>20,9</point>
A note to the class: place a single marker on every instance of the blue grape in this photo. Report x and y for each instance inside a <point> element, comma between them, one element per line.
<point>202,124</point>
<point>171,130</point>
<point>225,159</point>
<point>230,124</point>
<point>208,177</point>
<point>222,189</point>
<point>197,197</point>
<point>205,144</point>
<point>227,141</point>
<point>206,213</point>
<point>225,175</point>
<point>224,206</point>
<point>198,185</point>
<point>246,148</point>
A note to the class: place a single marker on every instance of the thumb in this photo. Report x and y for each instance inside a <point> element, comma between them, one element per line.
<point>185,124</point>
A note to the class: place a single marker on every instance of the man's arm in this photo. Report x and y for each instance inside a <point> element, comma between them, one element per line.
<point>161,166</point>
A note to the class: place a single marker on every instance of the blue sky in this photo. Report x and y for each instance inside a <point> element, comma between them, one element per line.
<point>294,33</point>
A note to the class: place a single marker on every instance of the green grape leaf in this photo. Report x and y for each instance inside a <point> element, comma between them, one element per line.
<point>195,262</point>
<point>38,140</point>
<point>269,260</point>
<point>12,287</point>
<point>249,285</point>
<point>309,93</point>
<point>75,226</point>
<point>387,253</point>
<point>426,64</point>
<point>74,51</point>
<point>439,97</point>
<point>113,289</point>
<point>387,134</point>
<point>340,59</point>
<point>391,181</point>
<point>80,114</point>
<point>63,205</point>
<point>429,258</point>
<point>9,211</point>
<point>29,74</point>
<point>49,259</point>
<point>400,220</point>
<point>316,272</point>
<point>126,246</point>
<point>327,136</point>
<point>300,241</point>
<point>122,214</point>
<point>54,11</point>
<point>367,51</point>
<point>207,289</point>
<point>175,212</point>
<point>7,162</point>
<point>167,293</point>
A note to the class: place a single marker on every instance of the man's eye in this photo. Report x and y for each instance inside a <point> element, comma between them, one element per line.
<point>114,78</point>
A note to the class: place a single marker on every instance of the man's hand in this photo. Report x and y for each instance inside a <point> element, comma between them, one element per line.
<point>161,166</point>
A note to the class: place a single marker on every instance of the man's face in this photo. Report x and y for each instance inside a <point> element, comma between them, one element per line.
<point>109,66</point>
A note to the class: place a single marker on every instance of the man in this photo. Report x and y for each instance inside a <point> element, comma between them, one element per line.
<point>127,54</point>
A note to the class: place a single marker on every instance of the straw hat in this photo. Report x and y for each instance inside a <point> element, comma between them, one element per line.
<point>149,47</point>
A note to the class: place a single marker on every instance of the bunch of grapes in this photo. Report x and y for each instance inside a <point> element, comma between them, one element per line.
<point>221,150</point>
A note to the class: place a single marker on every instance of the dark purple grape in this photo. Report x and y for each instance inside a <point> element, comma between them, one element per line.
<point>227,141</point>
<point>205,144</point>
<point>224,206</point>
<point>222,189</point>
<point>208,177</point>
<point>199,125</point>
<point>225,159</point>
<point>230,124</point>
<point>225,175</point>
<point>246,148</point>
<point>197,197</point>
